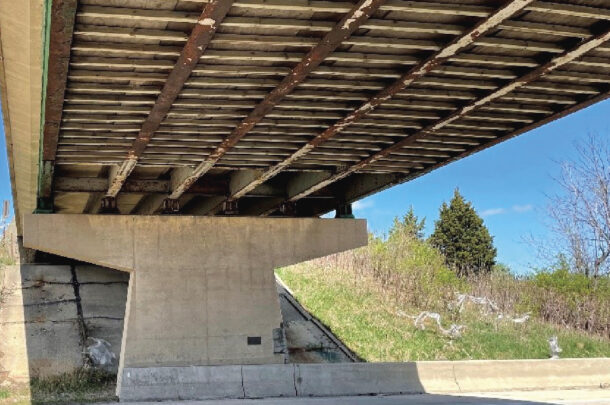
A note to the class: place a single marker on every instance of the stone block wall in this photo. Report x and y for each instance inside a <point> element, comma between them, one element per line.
<point>48,312</point>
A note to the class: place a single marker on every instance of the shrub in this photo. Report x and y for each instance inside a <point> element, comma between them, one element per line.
<point>370,296</point>
<point>552,295</point>
<point>573,299</point>
<point>407,269</point>
<point>412,274</point>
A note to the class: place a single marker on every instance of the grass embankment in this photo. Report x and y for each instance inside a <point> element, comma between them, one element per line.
<point>367,297</point>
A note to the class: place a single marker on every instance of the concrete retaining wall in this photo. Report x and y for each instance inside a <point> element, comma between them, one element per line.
<point>49,311</point>
<point>308,340</point>
<point>305,380</point>
<point>41,319</point>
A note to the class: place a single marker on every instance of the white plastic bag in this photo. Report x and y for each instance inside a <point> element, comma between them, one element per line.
<point>100,354</point>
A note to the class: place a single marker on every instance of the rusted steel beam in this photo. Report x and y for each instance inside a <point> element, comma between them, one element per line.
<point>209,20</point>
<point>402,179</point>
<point>100,185</point>
<point>533,75</point>
<point>348,24</point>
<point>63,14</point>
<point>360,184</point>
<point>420,70</point>
<point>140,186</point>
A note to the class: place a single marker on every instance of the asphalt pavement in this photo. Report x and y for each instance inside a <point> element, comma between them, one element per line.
<point>563,397</point>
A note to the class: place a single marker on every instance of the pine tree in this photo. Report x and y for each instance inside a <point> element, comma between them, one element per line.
<point>410,225</point>
<point>463,238</point>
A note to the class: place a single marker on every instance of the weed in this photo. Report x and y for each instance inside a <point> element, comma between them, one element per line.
<point>84,385</point>
<point>367,296</point>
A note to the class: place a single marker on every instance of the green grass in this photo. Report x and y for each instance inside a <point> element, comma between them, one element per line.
<point>82,386</point>
<point>365,317</point>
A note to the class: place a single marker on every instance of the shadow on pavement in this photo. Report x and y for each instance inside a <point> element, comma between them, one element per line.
<point>415,399</point>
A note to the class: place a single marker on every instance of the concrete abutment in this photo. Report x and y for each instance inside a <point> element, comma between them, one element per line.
<point>43,333</point>
<point>202,290</point>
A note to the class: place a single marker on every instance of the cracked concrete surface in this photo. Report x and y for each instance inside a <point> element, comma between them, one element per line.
<point>49,312</point>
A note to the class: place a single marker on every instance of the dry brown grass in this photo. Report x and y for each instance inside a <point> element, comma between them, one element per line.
<point>412,274</point>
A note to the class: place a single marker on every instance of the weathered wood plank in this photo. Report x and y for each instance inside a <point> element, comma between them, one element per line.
<point>417,72</point>
<point>450,159</point>
<point>451,119</point>
<point>354,19</point>
<point>205,28</point>
<point>570,10</point>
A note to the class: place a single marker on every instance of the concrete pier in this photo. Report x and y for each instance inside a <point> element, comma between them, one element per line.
<point>202,290</point>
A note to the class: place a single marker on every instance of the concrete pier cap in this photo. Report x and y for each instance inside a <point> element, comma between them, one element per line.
<point>202,290</point>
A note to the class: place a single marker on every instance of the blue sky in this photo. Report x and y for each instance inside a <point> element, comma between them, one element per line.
<point>507,184</point>
<point>5,185</point>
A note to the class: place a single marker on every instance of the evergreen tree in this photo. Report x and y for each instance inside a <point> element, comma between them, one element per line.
<point>462,237</point>
<point>410,225</point>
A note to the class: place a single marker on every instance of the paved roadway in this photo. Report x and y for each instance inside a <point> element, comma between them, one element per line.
<point>564,397</point>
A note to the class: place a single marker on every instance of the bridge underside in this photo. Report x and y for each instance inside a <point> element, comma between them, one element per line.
<point>286,107</point>
<point>202,291</point>
<point>258,108</point>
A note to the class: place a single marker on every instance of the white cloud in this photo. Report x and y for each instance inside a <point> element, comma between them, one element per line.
<point>362,205</point>
<point>523,208</point>
<point>519,209</point>
<point>493,211</point>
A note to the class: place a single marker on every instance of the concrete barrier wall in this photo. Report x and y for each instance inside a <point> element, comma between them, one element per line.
<point>483,375</point>
<point>48,312</point>
<point>313,380</point>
